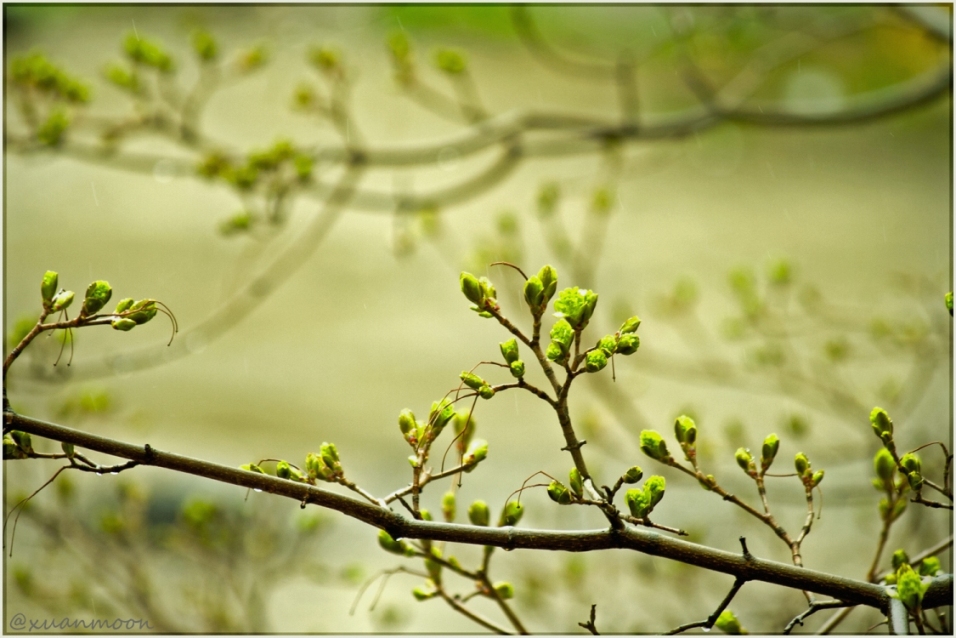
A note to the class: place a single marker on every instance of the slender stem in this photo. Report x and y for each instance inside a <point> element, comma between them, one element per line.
<point>478,618</point>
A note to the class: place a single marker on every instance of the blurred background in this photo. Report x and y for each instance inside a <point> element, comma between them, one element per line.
<point>769,188</point>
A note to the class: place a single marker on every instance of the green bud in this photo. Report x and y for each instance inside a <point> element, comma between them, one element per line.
<point>816,478</point>
<point>68,449</point>
<point>882,424</point>
<point>575,306</point>
<point>630,325</point>
<point>509,350</point>
<point>608,344</point>
<point>10,449</point>
<point>915,479</point>
<point>448,506</point>
<point>633,475</point>
<point>909,587</point>
<point>406,421</point>
<point>505,590</point>
<point>477,452</point>
<point>426,516</point>
<point>316,467</point>
<point>744,460</point>
<point>62,300</point>
<point>595,361</point>
<point>884,465</point>
<point>205,46</point>
<point>559,493</point>
<point>929,567</point>
<point>639,502</point>
<point>413,461</point>
<point>949,301</point>
<point>283,470</point>
<point>97,295</point>
<point>577,482</point>
<point>451,61</point>
<point>122,323</point>
<point>900,558</point>
<point>440,414</point>
<point>252,467</point>
<point>123,305</point>
<point>389,544</point>
<point>801,463</point>
<point>23,440</point>
<point>517,369</point>
<point>143,311</point>
<point>471,288</point>
<point>486,392</point>
<point>548,277</point>
<point>769,451</point>
<point>511,514</point>
<point>326,59</point>
<point>330,456</point>
<point>478,514</point>
<point>53,129</point>
<point>729,624</point>
<point>433,568</point>
<point>425,592</point>
<point>473,381</point>
<point>707,482</point>
<point>48,286</point>
<point>685,430</point>
<point>911,463</point>
<point>628,344</point>
<point>534,293</point>
<point>654,486</point>
<point>653,445</point>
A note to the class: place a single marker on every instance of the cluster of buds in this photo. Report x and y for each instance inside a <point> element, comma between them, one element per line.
<point>561,494</point>
<point>727,622</point>
<point>451,61</point>
<point>282,159</point>
<point>809,478</point>
<point>562,335</point>
<point>909,463</point>
<point>17,445</point>
<point>910,588</point>
<point>389,544</point>
<point>479,292</point>
<point>36,72</point>
<point>540,288</point>
<point>685,431</point>
<point>509,350</point>
<point>477,384</point>
<point>641,502</point>
<point>913,469</point>
<point>326,465</point>
<point>148,53</point>
<point>576,307</point>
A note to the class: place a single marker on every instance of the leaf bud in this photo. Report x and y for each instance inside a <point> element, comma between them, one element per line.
<point>252,467</point>
<point>685,430</point>
<point>534,293</point>
<point>559,493</point>
<point>900,558</point>
<point>909,587</point>
<point>884,465</point>
<point>451,61</point>
<point>122,323</point>
<point>487,288</point>
<point>486,392</point>
<point>549,279</point>
<point>630,325</point>
<point>425,592</point>
<point>283,470</point>
<point>509,350</point>
<point>413,461</point>
<point>930,566</point>
<point>653,445</point>
<point>911,463</point>
<point>48,286</point>
<point>68,449</point>
<point>595,361</point>
<point>915,479</point>
<point>729,624</point>
<point>10,448</point>
<point>448,506</point>
<point>639,502</point>
<point>316,468</point>
<point>97,295</point>
<point>769,451</point>
<point>633,475</point>
<point>478,514</point>
<point>205,46</point>
<point>511,514</point>
<point>477,452</point>
<point>801,463</point>
<point>745,460</point>
<point>123,305</point>
<point>628,344</point>
<point>471,288</point>
<point>23,440</point>
<point>608,344</point>
<point>577,482</point>
<point>505,590</point>
<point>441,412</point>
<point>654,486</point>
<point>816,478</point>
<point>406,421</point>
<point>143,311</point>
<point>62,300</point>
<point>517,369</point>
<point>882,424</point>
<point>330,455</point>
<point>389,544</point>
<point>472,380</point>
<point>708,482</point>
<point>949,301</point>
